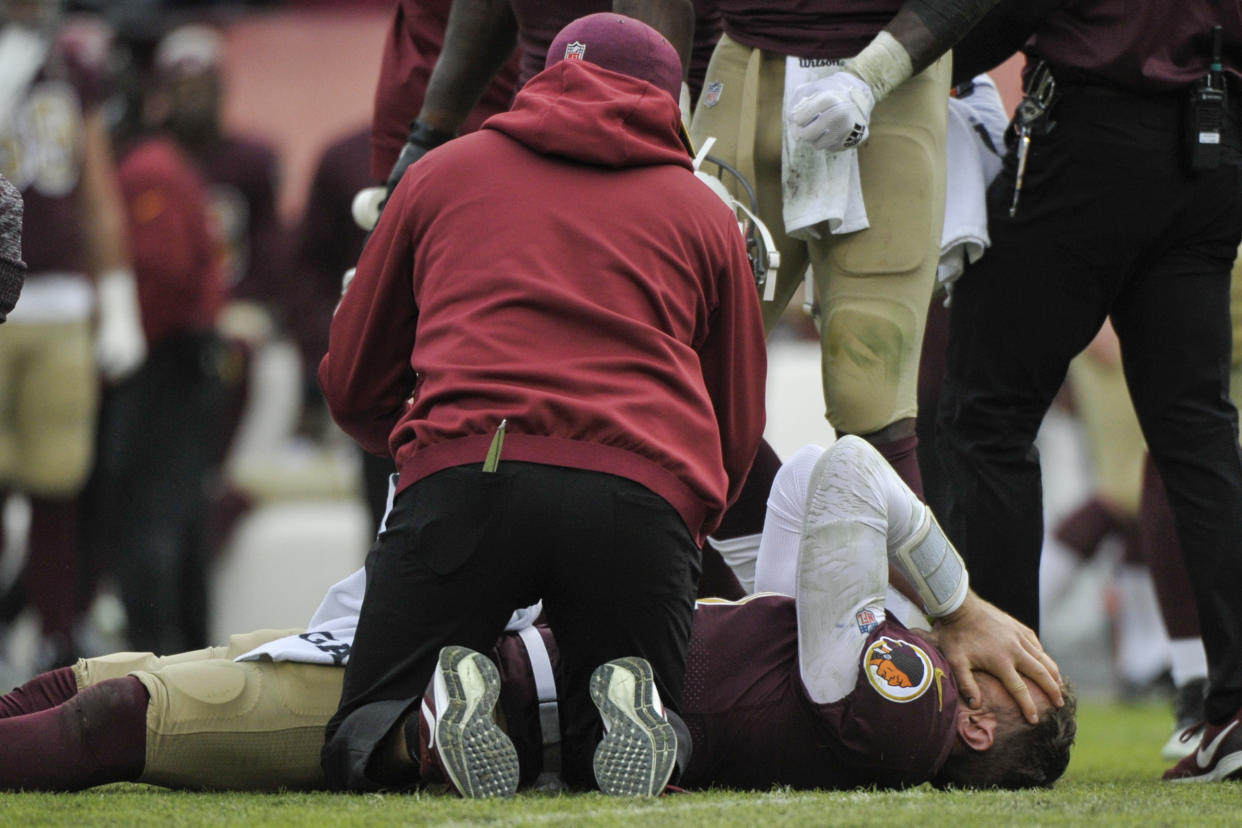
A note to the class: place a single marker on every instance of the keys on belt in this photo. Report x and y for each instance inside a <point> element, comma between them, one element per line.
<point>1032,118</point>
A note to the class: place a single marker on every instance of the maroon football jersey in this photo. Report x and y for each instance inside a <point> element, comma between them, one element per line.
<point>327,241</point>
<point>411,49</point>
<point>41,154</point>
<point>539,22</point>
<point>1147,47</point>
<point>807,28</point>
<point>754,726</point>
<point>242,180</point>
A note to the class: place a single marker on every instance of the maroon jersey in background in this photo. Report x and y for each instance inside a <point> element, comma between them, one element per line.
<point>1145,47</point>
<point>807,28</point>
<point>540,21</point>
<point>328,241</point>
<point>180,284</point>
<point>707,28</point>
<point>753,725</point>
<point>41,155</point>
<point>410,53</point>
<point>242,182</point>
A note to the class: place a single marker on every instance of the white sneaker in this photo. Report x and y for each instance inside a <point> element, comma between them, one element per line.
<point>462,738</point>
<point>639,748</point>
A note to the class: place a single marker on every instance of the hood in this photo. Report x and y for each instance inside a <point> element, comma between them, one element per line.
<point>585,113</point>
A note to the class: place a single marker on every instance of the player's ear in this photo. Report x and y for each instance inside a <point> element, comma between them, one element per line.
<point>976,728</point>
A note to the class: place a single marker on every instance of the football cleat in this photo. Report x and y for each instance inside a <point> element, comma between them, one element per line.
<point>639,748</point>
<point>463,741</point>
<point>1218,756</point>
<point>1188,713</point>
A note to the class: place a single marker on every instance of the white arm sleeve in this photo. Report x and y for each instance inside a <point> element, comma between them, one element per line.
<point>860,518</point>
<point>775,566</point>
<point>777,560</point>
<point>841,573</point>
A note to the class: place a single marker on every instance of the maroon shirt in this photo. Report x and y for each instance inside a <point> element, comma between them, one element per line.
<point>414,42</point>
<point>242,182</point>
<point>807,28</point>
<point>754,726</point>
<point>328,242</point>
<point>708,26</point>
<point>1146,47</point>
<point>561,268</point>
<point>176,258</point>
<point>44,160</point>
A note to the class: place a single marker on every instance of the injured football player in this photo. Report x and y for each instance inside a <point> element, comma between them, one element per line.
<point>821,688</point>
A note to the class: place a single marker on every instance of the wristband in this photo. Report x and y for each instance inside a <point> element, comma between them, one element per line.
<point>427,137</point>
<point>882,65</point>
<point>934,568</point>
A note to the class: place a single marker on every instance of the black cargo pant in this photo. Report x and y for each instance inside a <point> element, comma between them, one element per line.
<point>613,563</point>
<point>1109,224</point>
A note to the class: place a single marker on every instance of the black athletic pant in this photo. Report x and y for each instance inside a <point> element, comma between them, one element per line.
<point>613,563</point>
<point>146,502</point>
<point>1109,224</point>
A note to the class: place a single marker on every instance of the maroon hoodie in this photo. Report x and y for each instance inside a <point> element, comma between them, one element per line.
<point>563,269</point>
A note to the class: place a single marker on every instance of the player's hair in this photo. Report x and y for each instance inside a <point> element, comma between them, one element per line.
<point>1022,756</point>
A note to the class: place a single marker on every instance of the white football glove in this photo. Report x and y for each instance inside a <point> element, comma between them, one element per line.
<point>120,345</point>
<point>832,113</point>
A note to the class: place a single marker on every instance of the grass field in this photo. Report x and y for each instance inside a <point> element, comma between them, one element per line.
<point>1113,779</point>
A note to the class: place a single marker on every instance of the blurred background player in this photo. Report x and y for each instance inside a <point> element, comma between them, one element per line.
<point>241,171</point>
<point>1106,522</point>
<point>79,313</point>
<point>162,430</point>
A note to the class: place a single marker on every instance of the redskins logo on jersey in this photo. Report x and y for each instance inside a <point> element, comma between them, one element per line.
<point>41,143</point>
<point>898,670</point>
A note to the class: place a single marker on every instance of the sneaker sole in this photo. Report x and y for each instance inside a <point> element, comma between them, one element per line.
<point>639,748</point>
<point>478,757</point>
<point>1229,767</point>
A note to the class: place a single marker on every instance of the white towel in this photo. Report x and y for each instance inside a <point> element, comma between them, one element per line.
<point>819,187</point>
<point>975,139</point>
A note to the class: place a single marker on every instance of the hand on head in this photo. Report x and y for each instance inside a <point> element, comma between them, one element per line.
<point>979,636</point>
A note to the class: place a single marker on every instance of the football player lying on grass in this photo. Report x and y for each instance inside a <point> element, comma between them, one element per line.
<point>825,689</point>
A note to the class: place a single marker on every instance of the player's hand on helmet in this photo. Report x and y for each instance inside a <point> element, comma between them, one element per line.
<point>832,113</point>
<point>979,636</point>
<point>421,140</point>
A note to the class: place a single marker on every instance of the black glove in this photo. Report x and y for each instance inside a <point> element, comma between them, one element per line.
<point>421,140</point>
